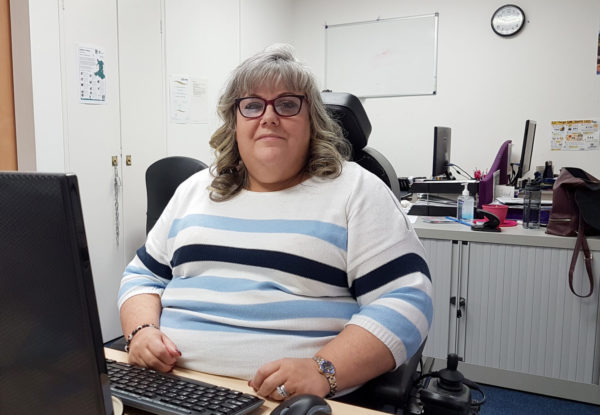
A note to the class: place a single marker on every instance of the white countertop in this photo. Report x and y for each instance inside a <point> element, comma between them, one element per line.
<point>515,235</point>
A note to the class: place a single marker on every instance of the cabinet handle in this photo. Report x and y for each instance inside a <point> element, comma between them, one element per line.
<point>461,304</point>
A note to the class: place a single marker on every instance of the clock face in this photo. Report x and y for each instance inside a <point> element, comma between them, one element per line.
<point>508,20</point>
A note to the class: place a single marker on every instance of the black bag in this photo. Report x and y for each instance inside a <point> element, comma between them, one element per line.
<point>576,211</point>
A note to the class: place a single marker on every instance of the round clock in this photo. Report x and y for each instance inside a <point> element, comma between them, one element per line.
<point>508,20</point>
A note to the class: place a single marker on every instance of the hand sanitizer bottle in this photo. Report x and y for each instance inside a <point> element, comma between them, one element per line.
<point>465,206</point>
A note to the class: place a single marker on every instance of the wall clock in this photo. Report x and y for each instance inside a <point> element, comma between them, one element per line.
<point>508,20</point>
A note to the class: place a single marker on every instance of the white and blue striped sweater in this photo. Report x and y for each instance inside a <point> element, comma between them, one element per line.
<point>268,275</point>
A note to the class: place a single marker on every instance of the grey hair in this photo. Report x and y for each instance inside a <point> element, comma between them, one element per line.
<point>278,66</point>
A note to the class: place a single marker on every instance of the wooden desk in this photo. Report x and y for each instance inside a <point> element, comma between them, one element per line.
<point>240,385</point>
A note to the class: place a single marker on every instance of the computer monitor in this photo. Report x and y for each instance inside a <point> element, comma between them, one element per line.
<point>526,151</point>
<point>441,153</point>
<point>51,353</point>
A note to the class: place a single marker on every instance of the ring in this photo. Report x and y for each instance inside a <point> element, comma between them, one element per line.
<point>282,391</point>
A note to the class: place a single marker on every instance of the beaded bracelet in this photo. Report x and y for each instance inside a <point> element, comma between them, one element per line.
<point>135,331</point>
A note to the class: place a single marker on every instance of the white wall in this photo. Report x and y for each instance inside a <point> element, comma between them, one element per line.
<point>202,41</point>
<point>487,86</point>
<point>264,22</point>
<point>207,39</point>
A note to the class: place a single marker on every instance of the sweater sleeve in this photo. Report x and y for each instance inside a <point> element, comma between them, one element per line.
<point>150,271</point>
<point>387,270</point>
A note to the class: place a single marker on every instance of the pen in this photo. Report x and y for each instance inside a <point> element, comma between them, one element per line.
<point>458,220</point>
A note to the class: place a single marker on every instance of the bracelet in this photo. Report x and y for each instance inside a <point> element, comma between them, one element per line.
<point>135,331</point>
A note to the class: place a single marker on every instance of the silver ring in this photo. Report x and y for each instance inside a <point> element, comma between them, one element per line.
<point>282,391</point>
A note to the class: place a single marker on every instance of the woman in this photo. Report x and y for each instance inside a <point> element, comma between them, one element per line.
<point>285,264</point>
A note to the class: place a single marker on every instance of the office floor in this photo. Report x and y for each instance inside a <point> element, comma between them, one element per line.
<point>502,401</point>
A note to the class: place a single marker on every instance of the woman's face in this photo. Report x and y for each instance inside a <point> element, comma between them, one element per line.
<point>274,148</point>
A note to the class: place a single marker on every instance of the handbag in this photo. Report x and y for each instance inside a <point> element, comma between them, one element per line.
<point>576,212</point>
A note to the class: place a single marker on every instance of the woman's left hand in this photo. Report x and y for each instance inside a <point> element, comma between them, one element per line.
<point>298,376</point>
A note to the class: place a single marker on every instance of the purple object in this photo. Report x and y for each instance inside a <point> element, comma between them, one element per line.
<point>486,185</point>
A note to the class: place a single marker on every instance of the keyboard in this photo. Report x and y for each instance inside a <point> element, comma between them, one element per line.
<point>168,394</point>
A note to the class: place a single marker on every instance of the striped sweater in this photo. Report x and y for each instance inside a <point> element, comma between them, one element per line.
<point>268,275</point>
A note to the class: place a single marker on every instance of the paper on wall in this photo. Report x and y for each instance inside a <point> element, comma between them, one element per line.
<point>199,103</point>
<point>92,75</point>
<point>180,96</point>
<point>578,135</point>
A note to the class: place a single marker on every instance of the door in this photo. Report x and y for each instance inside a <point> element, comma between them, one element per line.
<point>439,258</point>
<point>92,137</point>
<point>523,317</point>
<point>143,130</point>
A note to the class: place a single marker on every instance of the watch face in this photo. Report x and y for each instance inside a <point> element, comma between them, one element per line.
<point>508,20</point>
<point>327,367</point>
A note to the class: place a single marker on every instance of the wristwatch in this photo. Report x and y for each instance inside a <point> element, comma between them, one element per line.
<point>327,369</point>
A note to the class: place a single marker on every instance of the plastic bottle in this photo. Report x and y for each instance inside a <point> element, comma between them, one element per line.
<point>532,202</point>
<point>465,206</point>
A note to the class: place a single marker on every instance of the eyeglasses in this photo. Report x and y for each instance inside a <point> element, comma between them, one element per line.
<point>284,106</point>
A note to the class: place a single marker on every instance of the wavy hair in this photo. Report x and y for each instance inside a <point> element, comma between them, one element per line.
<point>275,65</point>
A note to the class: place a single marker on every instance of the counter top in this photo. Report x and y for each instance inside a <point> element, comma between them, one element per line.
<point>515,235</point>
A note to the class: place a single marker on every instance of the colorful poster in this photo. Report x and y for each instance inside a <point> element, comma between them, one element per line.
<point>579,135</point>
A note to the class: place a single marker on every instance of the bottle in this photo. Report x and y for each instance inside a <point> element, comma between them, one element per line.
<point>532,204</point>
<point>465,206</point>
<point>548,171</point>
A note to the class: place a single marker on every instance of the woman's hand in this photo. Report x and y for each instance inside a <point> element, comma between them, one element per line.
<point>299,376</point>
<point>151,348</point>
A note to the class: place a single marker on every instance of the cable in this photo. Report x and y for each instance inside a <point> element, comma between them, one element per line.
<point>475,386</point>
<point>464,175</point>
<point>456,166</point>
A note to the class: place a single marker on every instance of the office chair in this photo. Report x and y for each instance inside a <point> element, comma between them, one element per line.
<point>162,178</point>
<point>348,111</point>
<point>389,392</point>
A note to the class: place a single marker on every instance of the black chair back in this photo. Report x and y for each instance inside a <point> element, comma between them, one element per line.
<point>349,112</point>
<point>162,179</point>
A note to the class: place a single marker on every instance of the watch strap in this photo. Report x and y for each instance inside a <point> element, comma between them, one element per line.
<point>327,369</point>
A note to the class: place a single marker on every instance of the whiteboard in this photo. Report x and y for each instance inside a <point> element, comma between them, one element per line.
<point>382,58</point>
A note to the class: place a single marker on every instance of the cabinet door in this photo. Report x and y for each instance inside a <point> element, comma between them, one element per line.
<point>143,109</point>
<point>439,257</point>
<point>91,138</point>
<point>523,317</point>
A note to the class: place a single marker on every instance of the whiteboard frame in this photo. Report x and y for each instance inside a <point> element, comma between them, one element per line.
<point>379,20</point>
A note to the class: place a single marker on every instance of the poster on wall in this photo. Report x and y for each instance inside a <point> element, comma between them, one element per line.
<point>92,76</point>
<point>579,135</point>
<point>180,98</point>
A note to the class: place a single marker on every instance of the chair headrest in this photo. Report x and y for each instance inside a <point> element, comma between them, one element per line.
<point>348,111</point>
